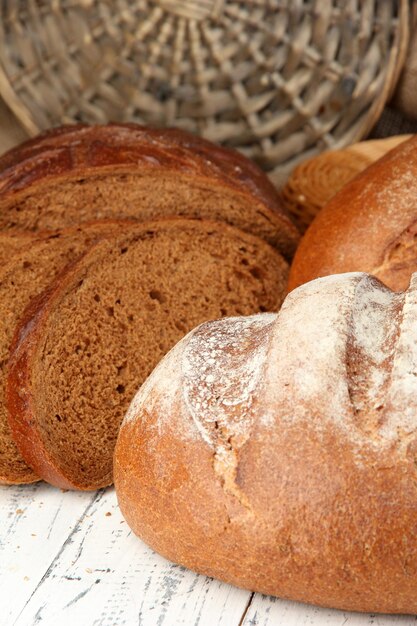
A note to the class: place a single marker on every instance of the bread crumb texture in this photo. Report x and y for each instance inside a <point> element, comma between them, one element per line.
<point>32,264</point>
<point>126,303</point>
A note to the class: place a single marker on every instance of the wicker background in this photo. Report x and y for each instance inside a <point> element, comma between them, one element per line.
<point>279,79</point>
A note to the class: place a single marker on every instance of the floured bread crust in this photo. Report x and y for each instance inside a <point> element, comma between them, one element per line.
<point>278,452</point>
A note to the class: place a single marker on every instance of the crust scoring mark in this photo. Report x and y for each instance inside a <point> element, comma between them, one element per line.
<point>374,329</point>
<point>354,372</point>
<point>400,254</point>
<point>381,362</point>
<point>222,365</point>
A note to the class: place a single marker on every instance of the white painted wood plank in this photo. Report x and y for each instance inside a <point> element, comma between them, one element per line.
<point>36,520</point>
<point>68,558</point>
<point>267,611</point>
<point>105,576</point>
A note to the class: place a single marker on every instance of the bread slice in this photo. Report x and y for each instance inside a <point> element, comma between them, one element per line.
<point>11,242</point>
<point>81,353</point>
<point>81,173</point>
<point>28,272</point>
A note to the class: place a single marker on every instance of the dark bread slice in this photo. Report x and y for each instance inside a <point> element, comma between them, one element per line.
<point>82,352</point>
<point>80,173</point>
<point>29,271</point>
<point>11,242</point>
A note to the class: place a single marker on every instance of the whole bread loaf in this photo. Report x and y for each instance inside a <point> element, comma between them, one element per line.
<point>279,452</point>
<point>81,173</point>
<point>81,351</point>
<point>370,225</point>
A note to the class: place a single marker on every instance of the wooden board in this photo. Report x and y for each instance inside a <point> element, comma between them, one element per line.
<point>69,558</point>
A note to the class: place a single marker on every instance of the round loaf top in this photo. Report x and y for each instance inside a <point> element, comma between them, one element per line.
<point>171,143</point>
<point>370,225</point>
<point>278,80</point>
<point>79,151</point>
<point>277,452</point>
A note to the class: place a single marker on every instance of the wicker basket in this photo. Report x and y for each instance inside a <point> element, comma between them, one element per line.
<point>281,80</point>
<point>316,180</point>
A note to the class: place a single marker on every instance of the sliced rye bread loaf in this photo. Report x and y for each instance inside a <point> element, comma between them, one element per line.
<point>82,351</point>
<point>81,173</point>
<point>29,272</point>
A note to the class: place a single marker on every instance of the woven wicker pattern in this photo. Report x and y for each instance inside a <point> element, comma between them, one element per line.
<point>316,180</point>
<point>279,79</point>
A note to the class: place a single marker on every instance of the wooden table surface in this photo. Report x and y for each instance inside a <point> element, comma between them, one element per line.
<point>69,558</point>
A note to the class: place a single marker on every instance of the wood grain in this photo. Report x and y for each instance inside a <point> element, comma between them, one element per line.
<point>267,611</point>
<point>36,521</point>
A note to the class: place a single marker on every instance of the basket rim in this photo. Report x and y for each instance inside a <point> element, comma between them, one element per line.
<point>279,174</point>
<point>395,64</point>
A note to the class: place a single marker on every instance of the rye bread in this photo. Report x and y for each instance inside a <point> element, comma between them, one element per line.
<point>278,452</point>
<point>81,352</point>
<point>28,272</point>
<point>11,242</point>
<point>82,173</point>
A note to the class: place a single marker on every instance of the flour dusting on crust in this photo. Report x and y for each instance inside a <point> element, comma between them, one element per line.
<point>221,367</point>
<point>371,345</point>
<point>340,355</point>
<point>401,397</point>
<point>305,377</point>
<point>344,355</point>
